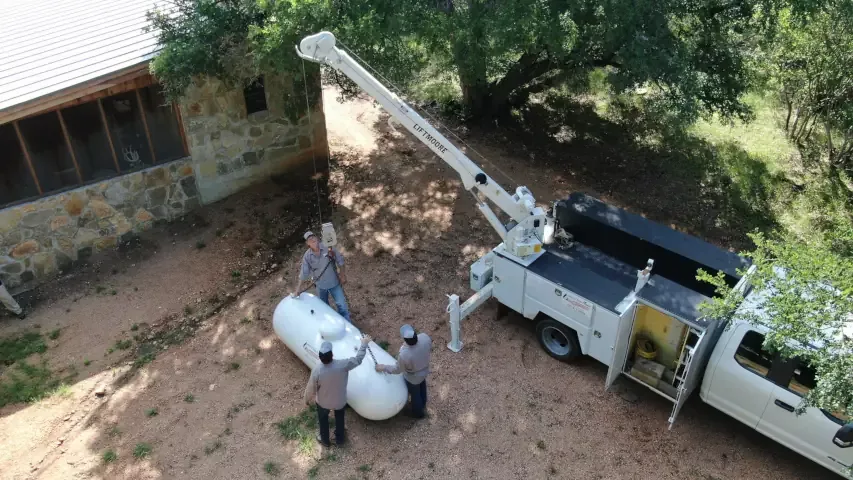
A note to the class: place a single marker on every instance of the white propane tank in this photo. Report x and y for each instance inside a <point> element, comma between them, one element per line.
<point>304,322</point>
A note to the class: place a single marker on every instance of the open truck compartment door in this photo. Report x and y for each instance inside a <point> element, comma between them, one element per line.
<point>620,347</point>
<point>688,373</point>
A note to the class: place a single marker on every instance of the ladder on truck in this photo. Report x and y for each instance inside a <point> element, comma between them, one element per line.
<point>682,369</point>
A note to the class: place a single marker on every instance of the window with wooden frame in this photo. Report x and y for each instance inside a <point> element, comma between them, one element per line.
<point>103,137</point>
<point>255,97</point>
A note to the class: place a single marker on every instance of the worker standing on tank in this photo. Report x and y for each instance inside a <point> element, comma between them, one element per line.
<point>326,267</point>
<point>327,387</point>
<point>413,363</point>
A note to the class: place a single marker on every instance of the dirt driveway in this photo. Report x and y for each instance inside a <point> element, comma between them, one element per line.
<point>176,373</point>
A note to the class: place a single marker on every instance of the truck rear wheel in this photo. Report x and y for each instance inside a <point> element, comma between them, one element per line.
<point>560,341</point>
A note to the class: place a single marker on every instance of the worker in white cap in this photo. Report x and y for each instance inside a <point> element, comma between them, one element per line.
<point>413,363</point>
<point>327,387</point>
<point>10,303</point>
<point>326,267</point>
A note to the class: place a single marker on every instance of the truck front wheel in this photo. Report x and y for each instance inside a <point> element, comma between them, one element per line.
<point>560,341</point>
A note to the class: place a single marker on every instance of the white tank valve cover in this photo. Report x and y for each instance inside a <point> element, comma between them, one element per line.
<point>304,322</point>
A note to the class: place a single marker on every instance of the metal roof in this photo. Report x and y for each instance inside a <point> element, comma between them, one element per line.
<point>47,46</point>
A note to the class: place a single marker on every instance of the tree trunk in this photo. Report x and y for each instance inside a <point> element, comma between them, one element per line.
<point>470,58</point>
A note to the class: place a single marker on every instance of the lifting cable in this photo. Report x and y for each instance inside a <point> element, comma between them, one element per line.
<point>330,260</point>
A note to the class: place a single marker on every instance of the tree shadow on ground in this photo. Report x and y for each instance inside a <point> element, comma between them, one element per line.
<point>652,165</point>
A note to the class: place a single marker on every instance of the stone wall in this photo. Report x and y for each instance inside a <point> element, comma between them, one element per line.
<point>232,150</point>
<point>44,237</point>
<point>229,150</point>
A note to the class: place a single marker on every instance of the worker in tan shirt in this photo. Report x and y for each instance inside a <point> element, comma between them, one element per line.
<point>327,387</point>
<point>10,303</point>
<point>413,363</point>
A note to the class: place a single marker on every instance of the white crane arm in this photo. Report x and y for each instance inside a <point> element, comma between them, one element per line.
<point>521,207</point>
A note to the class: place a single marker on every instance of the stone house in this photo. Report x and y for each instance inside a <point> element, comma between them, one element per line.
<point>92,153</point>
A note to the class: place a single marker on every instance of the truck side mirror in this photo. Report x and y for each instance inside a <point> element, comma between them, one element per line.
<point>844,436</point>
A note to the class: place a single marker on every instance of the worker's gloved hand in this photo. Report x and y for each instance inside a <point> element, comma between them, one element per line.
<point>380,368</point>
<point>366,339</point>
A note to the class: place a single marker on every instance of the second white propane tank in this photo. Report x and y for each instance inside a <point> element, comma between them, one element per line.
<point>304,322</point>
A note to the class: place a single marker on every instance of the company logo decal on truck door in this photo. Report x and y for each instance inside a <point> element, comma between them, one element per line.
<point>575,303</point>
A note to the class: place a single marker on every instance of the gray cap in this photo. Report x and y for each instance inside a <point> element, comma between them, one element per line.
<point>308,235</point>
<point>325,347</point>
<point>406,331</point>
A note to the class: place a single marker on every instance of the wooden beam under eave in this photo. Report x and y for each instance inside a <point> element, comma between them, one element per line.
<point>68,144</point>
<point>109,135</point>
<point>181,127</point>
<point>27,156</point>
<point>117,82</point>
<point>145,125</point>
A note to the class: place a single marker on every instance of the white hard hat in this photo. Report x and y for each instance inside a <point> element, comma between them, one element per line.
<point>325,347</point>
<point>308,235</point>
<point>406,331</point>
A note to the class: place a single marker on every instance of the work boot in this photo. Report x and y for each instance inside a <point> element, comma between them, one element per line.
<point>320,441</point>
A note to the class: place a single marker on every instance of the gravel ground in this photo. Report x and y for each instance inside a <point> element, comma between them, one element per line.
<point>499,409</point>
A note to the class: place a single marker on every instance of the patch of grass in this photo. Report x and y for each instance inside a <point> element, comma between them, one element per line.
<point>61,391</point>
<point>53,335</point>
<point>113,292</point>
<point>152,412</point>
<point>233,366</point>
<point>200,244</point>
<point>365,468</point>
<point>188,310</point>
<point>189,398</point>
<point>236,274</point>
<point>540,444</point>
<point>216,445</point>
<point>301,427</point>
<point>20,347</point>
<point>114,431</point>
<point>245,320</point>
<point>28,383</point>
<point>313,471</point>
<point>384,345</point>
<point>272,469</point>
<point>109,456</point>
<point>142,450</point>
<point>144,360</point>
<point>123,344</point>
<point>86,363</point>
<point>219,232</point>
<point>100,289</point>
<point>110,350</point>
<point>134,327</point>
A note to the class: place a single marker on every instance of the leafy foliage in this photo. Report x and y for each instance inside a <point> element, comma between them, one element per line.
<point>204,37</point>
<point>803,294</point>
<point>698,52</point>
<point>811,62</point>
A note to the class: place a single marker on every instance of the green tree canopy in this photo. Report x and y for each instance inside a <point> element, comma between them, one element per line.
<point>803,294</point>
<point>697,52</point>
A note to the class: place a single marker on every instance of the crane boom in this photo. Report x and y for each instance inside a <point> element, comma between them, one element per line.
<point>522,240</point>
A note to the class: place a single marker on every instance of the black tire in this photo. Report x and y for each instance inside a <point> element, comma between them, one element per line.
<point>560,341</point>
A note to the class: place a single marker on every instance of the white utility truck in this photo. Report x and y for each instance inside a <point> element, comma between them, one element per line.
<point>582,272</point>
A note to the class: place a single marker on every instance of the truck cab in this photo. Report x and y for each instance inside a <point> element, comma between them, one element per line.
<point>763,390</point>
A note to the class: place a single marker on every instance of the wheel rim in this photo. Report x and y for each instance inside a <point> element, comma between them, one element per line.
<point>555,341</point>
